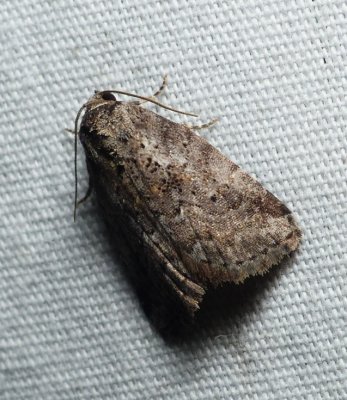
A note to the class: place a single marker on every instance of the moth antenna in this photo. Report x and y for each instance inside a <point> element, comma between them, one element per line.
<point>151,100</point>
<point>75,160</point>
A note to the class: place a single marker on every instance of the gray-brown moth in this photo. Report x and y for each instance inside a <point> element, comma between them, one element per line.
<point>197,217</point>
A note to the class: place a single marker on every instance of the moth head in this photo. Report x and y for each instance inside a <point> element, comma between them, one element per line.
<point>99,99</point>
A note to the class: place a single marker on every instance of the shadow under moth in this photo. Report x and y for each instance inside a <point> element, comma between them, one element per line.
<point>197,218</point>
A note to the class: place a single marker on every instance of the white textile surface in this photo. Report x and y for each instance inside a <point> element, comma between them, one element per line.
<point>275,73</point>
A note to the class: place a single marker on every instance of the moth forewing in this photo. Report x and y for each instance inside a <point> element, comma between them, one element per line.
<point>199,218</point>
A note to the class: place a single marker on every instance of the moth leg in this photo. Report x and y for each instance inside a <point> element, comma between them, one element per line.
<point>88,192</point>
<point>203,126</point>
<point>69,130</point>
<point>162,87</point>
<point>158,92</point>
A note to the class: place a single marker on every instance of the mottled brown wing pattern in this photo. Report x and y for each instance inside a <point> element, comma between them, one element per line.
<point>204,220</point>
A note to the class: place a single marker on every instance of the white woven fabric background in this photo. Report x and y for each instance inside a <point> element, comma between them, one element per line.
<point>275,73</point>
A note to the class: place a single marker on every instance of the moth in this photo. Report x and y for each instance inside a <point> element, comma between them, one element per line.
<point>197,218</point>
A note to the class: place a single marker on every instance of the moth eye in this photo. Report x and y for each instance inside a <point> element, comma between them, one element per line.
<point>108,96</point>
